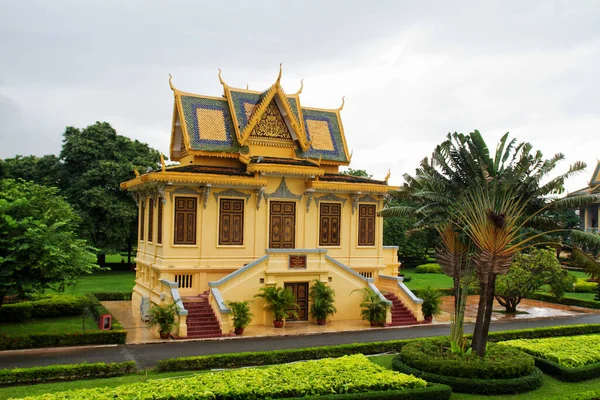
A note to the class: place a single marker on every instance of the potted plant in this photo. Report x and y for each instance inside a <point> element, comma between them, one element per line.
<point>322,298</point>
<point>241,315</point>
<point>431,302</point>
<point>163,317</point>
<point>280,301</point>
<point>373,308</point>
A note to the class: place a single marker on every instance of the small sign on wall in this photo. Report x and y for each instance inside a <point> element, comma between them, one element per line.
<point>297,261</point>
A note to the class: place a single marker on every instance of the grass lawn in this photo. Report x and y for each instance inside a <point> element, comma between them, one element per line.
<point>420,281</point>
<point>50,325</point>
<point>581,296</point>
<point>106,281</point>
<point>117,258</point>
<point>552,387</point>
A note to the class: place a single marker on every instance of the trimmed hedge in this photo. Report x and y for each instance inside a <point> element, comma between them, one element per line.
<point>589,395</point>
<point>344,375</point>
<point>432,268</point>
<point>234,360</point>
<point>115,336</point>
<point>433,391</point>
<point>500,362</point>
<point>567,301</point>
<point>566,374</point>
<point>113,296</point>
<point>583,286</point>
<point>476,386</point>
<point>70,372</point>
<point>50,307</point>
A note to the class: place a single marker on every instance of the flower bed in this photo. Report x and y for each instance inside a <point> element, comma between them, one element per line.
<point>349,374</point>
<point>569,351</point>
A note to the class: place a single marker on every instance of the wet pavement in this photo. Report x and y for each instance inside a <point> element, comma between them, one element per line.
<point>137,333</point>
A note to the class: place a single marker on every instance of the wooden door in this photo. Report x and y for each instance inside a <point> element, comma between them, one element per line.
<point>300,291</point>
<point>282,225</point>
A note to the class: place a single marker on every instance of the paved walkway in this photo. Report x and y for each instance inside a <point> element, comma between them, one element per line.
<point>147,355</point>
<point>137,333</point>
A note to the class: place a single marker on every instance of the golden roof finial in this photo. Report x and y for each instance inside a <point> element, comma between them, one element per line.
<point>343,102</point>
<point>221,79</point>
<point>279,76</point>
<point>171,82</point>
<point>135,171</point>
<point>320,157</point>
<point>162,162</point>
<point>387,177</point>
<point>301,87</point>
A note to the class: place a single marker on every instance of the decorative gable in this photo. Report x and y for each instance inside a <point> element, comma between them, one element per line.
<point>271,126</point>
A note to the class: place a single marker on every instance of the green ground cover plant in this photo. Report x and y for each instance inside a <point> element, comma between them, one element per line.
<point>583,286</point>
<point>569,351</point>
<point>344,375</point>
<point>421,281</point>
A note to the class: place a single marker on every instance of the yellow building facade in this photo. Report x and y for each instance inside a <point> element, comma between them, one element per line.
<point>257,199</point>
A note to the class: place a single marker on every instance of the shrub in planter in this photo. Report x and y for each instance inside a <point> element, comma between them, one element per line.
<point>431,268</point>
<point>322,298</point>
<point>280,301</point>
<point>373,308</point>
<point>163,317</point>
<point>241,315</point>
<point>432,302</point>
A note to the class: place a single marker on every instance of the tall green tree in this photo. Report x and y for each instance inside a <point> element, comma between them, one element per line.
<point>39,246</point>
<point>96,160</point>
<point>361,173</point>
<point>484,197</point>
<point>46,170</point>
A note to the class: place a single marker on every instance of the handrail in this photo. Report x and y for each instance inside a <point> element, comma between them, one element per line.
<point>379,294</point>
<point>238,272</point>
<point>403,287</point>
<point>175,295</point>
<point>223,309</point>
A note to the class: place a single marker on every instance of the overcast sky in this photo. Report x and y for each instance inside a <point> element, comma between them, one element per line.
<point>411,71</point>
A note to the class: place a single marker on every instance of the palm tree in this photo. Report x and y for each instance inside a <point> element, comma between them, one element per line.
<point>491,201</point>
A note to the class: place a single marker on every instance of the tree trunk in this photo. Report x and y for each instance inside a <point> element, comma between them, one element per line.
<point>490,290</point>
<point>509,303</point>
<point>477,333</point>
<point>102,259</point>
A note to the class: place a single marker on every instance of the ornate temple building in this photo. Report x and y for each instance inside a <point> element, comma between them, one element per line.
<point>590,214</point>
<point>258,199</point>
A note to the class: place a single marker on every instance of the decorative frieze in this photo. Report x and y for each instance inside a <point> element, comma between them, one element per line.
<point>183,190</point>
<point>231,193</point>
<point>283,192</point>
<point>309,195</point>
<point>330,197</point>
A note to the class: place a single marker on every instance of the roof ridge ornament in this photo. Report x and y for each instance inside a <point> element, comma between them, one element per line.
<point>221,79</point>
<point>387,177</point>
<point>301,87</point>
<point>171,83</point>
<point>278,81</point>
<point>343,102</point>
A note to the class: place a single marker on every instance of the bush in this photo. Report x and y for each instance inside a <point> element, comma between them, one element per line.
<point>344,375</point>
<point>551,331</point>
<point>48,307</point>
<point>434,356</point>
<point>583,286</point>
<point>431,268</point>
<point>572,351</point>
<point>477,386</point>
<point>65,372</point>
<point>565,300</point>
<point>113,296</point>
<point>577,374</point>
<point>433,391</point>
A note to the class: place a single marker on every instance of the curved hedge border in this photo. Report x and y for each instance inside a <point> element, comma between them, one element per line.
<point>476,386</point>
<point>547,332</point>
<point>567,301</point>
<point>500,362</point>
<point>589,395</point>
<point>433,391</point>
<point>113,296</point>
<point>563,373</point>
<point>69,372</point>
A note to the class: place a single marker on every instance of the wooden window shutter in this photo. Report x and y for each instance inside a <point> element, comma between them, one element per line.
<point>231,222</point>
<point>366,225</point>
<point>329,224</point>
<point>151,220</point>
<point>185,220</point>
<point>160,222</point>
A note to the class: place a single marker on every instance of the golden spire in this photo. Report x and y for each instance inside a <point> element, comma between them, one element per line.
<point>171,82</point>
<point>221,79</point>
<point>162,162</point>
<point>301,87</point>
<point>279,76</point>
<point>343,102</point>
<point>387,177</point>
<point>351,154</point>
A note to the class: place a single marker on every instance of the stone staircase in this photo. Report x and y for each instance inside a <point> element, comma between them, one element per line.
<point>400,314</point>
<point>201,320</point>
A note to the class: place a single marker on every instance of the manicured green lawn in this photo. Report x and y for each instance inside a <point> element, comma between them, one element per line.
<point>50,325</point>
<point>420,281</point>
<point>106,281</point>
<point>117,258</point>
<point>581,296</point>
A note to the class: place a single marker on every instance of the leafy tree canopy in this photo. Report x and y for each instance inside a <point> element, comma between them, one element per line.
<point>362,173</point>
<point>528,272</point>
<point>47,170</point>
<point>96,160</point>
<point>39,248</point>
